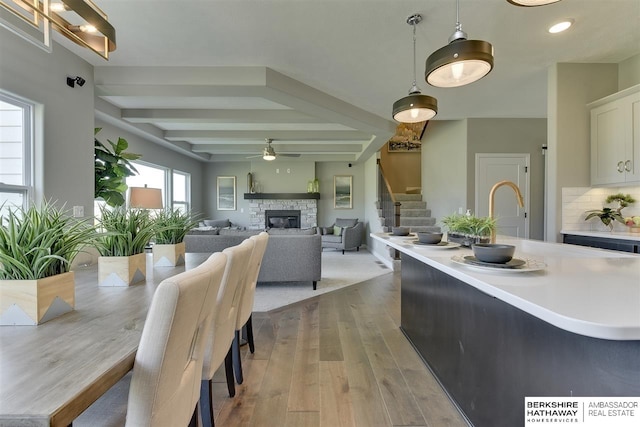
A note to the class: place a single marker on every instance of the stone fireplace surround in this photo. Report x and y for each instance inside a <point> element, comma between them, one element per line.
<point>308,211</point>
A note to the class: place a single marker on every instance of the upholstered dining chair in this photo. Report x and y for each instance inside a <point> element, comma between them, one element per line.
<point>246,301</point>
<point>218,347</point>
<point>165,382</point>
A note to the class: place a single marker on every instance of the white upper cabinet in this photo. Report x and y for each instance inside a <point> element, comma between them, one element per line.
<point>615,138</point>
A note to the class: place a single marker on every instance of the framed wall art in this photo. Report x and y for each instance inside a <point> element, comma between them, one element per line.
<point>343,191</point>
<point>226,193</point>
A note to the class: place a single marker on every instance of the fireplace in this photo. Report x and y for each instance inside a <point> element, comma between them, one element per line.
<point>282,219</point>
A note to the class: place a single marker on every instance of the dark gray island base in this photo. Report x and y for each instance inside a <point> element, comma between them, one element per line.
<point>489,355</point>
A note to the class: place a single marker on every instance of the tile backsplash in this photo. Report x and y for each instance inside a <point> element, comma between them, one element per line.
<point>577,200</point>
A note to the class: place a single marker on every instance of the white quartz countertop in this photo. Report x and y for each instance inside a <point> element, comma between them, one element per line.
<point>586,291</point>
<point>622,235</point>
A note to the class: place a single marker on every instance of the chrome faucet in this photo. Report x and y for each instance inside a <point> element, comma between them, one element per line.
<point>491,203</point>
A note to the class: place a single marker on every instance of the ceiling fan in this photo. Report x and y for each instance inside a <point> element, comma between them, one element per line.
<point>268,153</point>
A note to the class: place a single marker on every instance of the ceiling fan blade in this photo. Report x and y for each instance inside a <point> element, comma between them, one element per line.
<point>253,157</point>
<point>288,155</point>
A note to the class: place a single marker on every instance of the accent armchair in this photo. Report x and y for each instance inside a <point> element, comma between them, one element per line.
<point>344,234</point>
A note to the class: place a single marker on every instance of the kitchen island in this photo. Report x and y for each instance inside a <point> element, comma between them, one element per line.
<point>566,324</point>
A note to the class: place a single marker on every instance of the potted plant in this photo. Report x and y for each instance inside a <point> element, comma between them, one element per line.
<point>172,226</point>
<point>126,233</point>
<point>112,167</point>
<point>469,229</point>
<point>37,246</point>
<point>609,215</point>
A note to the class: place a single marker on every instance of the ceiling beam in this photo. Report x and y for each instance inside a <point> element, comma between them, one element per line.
<point>175,115</point>
<point>251,135</point>
<point>279,148</point>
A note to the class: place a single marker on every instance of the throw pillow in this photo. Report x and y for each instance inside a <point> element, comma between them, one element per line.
<point>327,230</point>
<point>346,222</point>
<point>219,223</point>
<point>337,230</point>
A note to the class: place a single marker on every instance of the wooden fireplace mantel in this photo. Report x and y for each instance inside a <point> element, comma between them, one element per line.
<point>281,196</point>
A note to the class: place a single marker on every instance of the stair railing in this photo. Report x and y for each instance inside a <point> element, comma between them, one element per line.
<point>388,204</point>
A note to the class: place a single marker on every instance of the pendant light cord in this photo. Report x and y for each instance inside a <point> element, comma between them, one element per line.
<point>414,54</point>
<point>458,25</point>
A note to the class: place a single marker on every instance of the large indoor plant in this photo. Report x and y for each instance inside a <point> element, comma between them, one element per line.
<point>469,229</point>
<point>37,246</point>
<point>172,225</point>
<point>126,234</point>
<point>112,167</point>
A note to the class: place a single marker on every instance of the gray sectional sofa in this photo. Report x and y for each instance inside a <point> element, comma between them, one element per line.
<point>292,255</point>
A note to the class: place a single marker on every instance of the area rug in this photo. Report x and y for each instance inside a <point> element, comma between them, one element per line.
<point>338,271</point>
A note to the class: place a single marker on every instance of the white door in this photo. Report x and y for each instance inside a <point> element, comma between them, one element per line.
<point>512,220</point>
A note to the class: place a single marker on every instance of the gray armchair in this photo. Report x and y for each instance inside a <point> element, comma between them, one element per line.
<point>344,234</point>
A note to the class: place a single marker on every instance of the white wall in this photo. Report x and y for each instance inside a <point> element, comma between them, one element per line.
<point>444,167</point>
<point>571,87</point>
<point>64,152</point>
<point>325,172</point>
<point>511,136</point>
<point>629,72</point>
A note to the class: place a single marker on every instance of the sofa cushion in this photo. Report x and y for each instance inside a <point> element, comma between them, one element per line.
<point>346,222</point>
<point>327,230</point>
<point>211,231</point>
<point>289,231</point>
<point>234,232</point>
<point>331,239</point>
<point>337,230</point>
<point>220,223</point>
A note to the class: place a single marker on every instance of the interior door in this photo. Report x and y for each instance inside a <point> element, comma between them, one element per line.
<point>512,220</point>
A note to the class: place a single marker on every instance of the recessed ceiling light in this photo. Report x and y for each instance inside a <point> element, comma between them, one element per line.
<point>561,26</point>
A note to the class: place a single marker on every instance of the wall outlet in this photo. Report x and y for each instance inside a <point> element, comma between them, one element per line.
<point>288,170</point>
<point>78,211</point>
<point>277,170</point>
<point>241,210</point>
<point>460,210</point>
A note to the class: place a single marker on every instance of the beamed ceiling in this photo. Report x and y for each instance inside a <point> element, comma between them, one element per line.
<point>213,79</point>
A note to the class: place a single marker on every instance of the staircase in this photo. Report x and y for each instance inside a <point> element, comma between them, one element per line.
<point>414,213</point>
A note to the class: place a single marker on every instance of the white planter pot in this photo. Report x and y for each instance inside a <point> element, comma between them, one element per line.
<point>121,270</point>
<point>32,302</point>
<point>168,255</point>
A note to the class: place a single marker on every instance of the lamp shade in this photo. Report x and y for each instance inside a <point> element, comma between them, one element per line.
<point>459,63</point>
<point>145,198</point>
<point>415,108</point>
<point>531,3</point>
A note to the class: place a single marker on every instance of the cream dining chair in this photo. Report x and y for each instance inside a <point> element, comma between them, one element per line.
<point>218,347</point>
<point>246,301</point>
<point>165,381</point>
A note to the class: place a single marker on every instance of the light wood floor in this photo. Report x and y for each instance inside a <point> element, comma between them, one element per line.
<point>339,359</point>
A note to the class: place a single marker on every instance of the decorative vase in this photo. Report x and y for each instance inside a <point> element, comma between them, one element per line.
<point>33,302</point>
<point>316,186</point>
<point>121,270</point>
<point>310,186</point>
<point>168,255</point>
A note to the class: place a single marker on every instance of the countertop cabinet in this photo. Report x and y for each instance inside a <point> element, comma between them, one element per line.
<point>615,138</point>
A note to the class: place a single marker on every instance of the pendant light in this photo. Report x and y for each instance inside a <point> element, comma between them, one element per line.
<point>531,3</point>
<point>460,62</point>
<point>416,107</point>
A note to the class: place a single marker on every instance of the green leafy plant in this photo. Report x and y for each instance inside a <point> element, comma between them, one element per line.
<point>126,231</point>
<point>112,167</point>
<point>469,225</point>
<point>40,241</point>
<point>608,215</point>
<point>173,225</point>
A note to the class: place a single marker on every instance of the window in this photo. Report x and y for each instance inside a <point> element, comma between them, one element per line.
<point>181,187</point>
<point>16,142</point>
<point>175,185</point>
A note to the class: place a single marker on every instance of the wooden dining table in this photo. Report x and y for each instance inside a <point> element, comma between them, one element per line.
<point>50,373</point>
